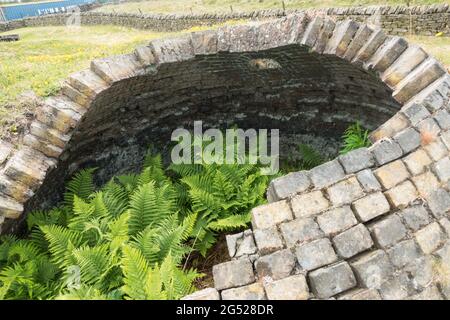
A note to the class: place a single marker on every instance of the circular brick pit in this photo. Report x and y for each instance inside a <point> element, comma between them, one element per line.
<point>370,224</point>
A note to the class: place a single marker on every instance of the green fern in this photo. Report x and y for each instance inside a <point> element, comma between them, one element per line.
<point>354,138</point>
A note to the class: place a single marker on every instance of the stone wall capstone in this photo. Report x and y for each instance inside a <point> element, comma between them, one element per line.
<point>397,20</point>
<point>371,224</point>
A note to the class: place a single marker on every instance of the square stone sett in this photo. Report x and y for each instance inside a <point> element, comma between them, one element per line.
<point>336,220</point>
<point>331,280</point>
<point>233,274</point>
<point>309,204</point>
<point>290,288</point>
<point>415,217</point>
<point>353,241</point>
<point>439,202</point>
<point>386,150</point>
<point>402,195</point>
<point>398,288</point>
<point>277,265</point>
<point>415,112</point>
<point>403,253</point>
<point>345,191</point>
<point>299,231</point>
<point>388,231</point>
<point>445,136</point>
<point>436,150</point>
<point>430,237</point>
<point>204,294</point>
<point>326,174</point>
<point>445,223</point>
<point>361,294</point>
<point>442,117</point>
<point>409,139</point>
<point>442,169</point>
<point>268,240</point>
<point>429,293</point>
<point>254,291</point>
<point>372,269</point>
<point>392,174</point>
<point>371,206</point>
<point>315,254</point>
<point>426,183</point>
<point>421,272</point>
<point>357,160</point>
<point>292,183</point>
<point>428,127</point>
<point>368,181</point>
<point>269,215</point>
<point>417,161</point>
<point>240,244</point>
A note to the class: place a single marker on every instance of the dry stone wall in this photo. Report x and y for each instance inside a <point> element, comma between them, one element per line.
<point>398,20</point>
<point>371,224</point>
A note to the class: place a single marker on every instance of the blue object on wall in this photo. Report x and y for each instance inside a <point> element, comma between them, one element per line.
<point>37,9</point>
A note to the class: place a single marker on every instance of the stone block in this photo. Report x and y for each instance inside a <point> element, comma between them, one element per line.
<point>409,139</point>
<point>345,191</point>
<point>172,50</point>
<point>392,174</point>
<point>359,40</point>
<point>116,68</point>
<point>299,231</point>
<point>370,47</point>
<point>290,184</point>
<point>309,204</point>
<point>371,206</point>
<point>336,220</point>
<point>361,294</point>
<point>421,77</point>
<point>392,48</point>
<point>408,61</point>
<point>233,274</point>
<point>315,254</point>
<point>204,42</point>
<point>426,183</point>
<point>430,293</point>
<point>290,288</point>
<point>326,174</point>
<point>439,202</point>
<point>268,240</point>
<point>386,151</point>
<point>341,38</point>
<point>397,288</point>
<point>357,160</point>
<point>205,294</point>
<point>388,231</point>
<point>372,269</point>
<point>436,150</point>
<point>403,253</point>
<point>5,150</point>
<point>421,272</point>
<point>415,112</point>
<point>415,217</point>
<point>368,181</point>
<point>429,130</point>
<point>276,266</point>
<point>442,117</point>
<point>240,244</point>
<point>352,241</point>
<point>430,237</point>
<point>402,195</point>
<point>10,208</point>
<point>269,215</point>
<point>391,127</point>
<point>253,291</point>
<point>445,223</point>
<point>417,161</point>
<point>329,281</point>
<point>442,169</point>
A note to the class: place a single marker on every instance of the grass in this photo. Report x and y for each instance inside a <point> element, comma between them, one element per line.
<point>46,55</point>
<point>203,6</point>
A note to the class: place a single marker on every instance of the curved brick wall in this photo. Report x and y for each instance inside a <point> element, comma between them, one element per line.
<point>399,20</point>
<point>370,224</point>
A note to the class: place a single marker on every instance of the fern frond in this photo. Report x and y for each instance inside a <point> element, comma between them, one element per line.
<point>81,185</point>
